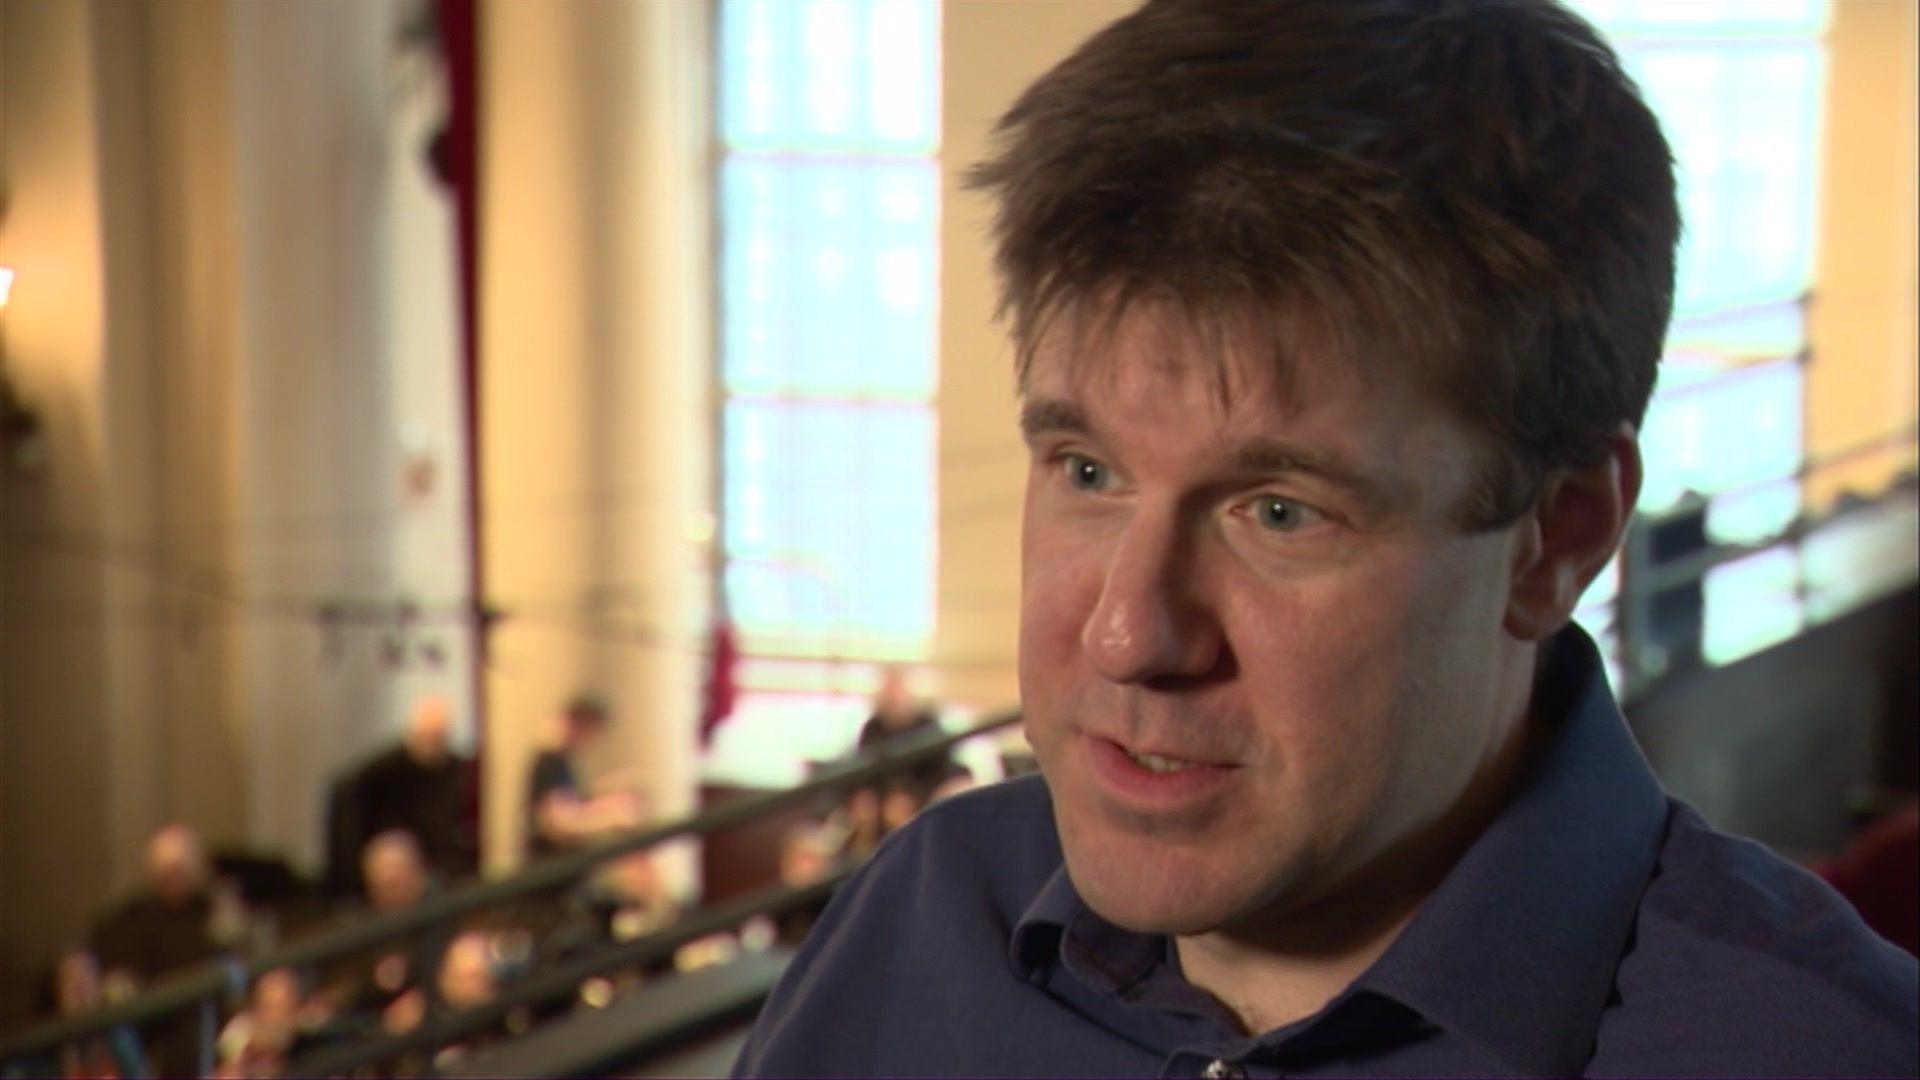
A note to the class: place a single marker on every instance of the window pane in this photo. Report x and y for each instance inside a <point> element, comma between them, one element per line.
<point>829,276</point>
<point>830,523</point>
<point>851,75</point>
<point>1743,121</point>
<point>1728,430</point>
<point>1751,603</point>
<point>1761,333</point>
<point>1636,18</point>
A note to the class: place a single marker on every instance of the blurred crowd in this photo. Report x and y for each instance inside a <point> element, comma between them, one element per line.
<point>400,827</point>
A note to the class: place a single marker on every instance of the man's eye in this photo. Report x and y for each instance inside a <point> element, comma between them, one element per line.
<point>1085,473</point>
<point>1279,514</point>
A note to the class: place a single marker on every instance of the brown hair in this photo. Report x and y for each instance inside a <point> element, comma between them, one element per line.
<point>1472,185</point>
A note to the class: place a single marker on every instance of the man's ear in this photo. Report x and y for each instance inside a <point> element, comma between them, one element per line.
<point>1574,529</point>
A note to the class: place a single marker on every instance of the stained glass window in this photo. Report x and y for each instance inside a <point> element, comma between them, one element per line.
<point>828,117</point>
<point>828,189</point>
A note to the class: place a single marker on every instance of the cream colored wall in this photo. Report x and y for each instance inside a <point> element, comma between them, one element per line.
<point>324,314</point>
<point>206,321</point>
<point>993,49</point>
<point>1867,277</point>
<point>55,811</point>
<point>115,675</point>
<point>595,408</point>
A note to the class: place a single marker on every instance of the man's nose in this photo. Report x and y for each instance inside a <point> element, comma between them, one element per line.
<point>1152,621</point>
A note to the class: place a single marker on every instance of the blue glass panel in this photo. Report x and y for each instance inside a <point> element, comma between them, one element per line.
<point>1755,333</point>
<point>1695,18</point>
<point>1753,515</point>
<point>1743,122</point>
<point>830,519</point>
<point>829,271</point>
<point>1751,603</point>
<point>1736,429</point>
<point>830,74</point>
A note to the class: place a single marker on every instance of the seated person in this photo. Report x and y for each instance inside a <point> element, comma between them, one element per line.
<point>278,1024</point>
<point>625,899</point>
<point>72,990</point>
<point>166,926</point>
<point>382,982</point>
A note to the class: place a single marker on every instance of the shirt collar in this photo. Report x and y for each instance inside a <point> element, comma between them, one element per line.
<point>1059,928</point>
<point>1516,950</point>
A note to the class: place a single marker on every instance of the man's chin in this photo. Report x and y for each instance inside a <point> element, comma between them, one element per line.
<point>1151,895</point>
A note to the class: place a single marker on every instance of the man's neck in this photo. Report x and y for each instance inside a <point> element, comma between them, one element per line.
<point>1289,968</point>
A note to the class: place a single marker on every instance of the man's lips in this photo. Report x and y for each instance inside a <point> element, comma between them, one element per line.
<point>1168,752</point>
<point>1156,782</point>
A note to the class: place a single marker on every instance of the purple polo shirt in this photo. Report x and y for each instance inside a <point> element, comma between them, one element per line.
<point>1597,927</point>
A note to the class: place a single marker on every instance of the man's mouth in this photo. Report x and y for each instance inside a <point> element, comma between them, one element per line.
<point>1154,778</point>
<point>1158,763</point>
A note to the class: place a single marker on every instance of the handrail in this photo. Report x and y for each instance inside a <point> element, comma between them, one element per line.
<point>231,974</point>
<point>1810,467</point>
<point>564,979</point>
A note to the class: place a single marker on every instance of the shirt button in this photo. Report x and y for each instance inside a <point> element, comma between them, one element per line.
<point>1222,1069</point>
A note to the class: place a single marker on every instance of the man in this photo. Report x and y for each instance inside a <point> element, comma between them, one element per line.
<point>389,981</point>
<point>163,928</point>
<point>1335,321</point>
<point>561,815</point>
<point>418,785</point>
<point>395,871</point>
<point>897,722</point>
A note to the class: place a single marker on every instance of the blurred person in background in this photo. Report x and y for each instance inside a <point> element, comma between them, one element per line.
<point>420,785</point>
<point>466,978</point>
<point>898,722</point>
<point>279,1023</point>
<point>386,985</point>
<point>476,966</point>
<point>808,852</point>
<point>167,925</point>
<point>561,815</point>
<point>626,899</point>
<point>74,989</point>
<point>395,871</point>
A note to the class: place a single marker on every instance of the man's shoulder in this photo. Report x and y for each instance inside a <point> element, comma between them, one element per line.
<point>919,935</point>
<point>382,764</point>
<point>1770,965</point>
<point>979,855</point>
<point>1011,823</point>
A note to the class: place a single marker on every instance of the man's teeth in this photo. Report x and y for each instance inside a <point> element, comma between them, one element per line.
<point>1158,763</point>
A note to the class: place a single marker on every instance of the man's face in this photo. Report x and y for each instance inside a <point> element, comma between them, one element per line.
<point>395,876</point>
<point>1256,652</point>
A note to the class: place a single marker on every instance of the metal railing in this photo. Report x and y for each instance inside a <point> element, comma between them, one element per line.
<point>1641,653</point>
<point>206,985</point>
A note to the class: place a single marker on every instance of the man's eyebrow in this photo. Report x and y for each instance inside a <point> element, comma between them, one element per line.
<point>1049,416</point>
<point>1266,456</point>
